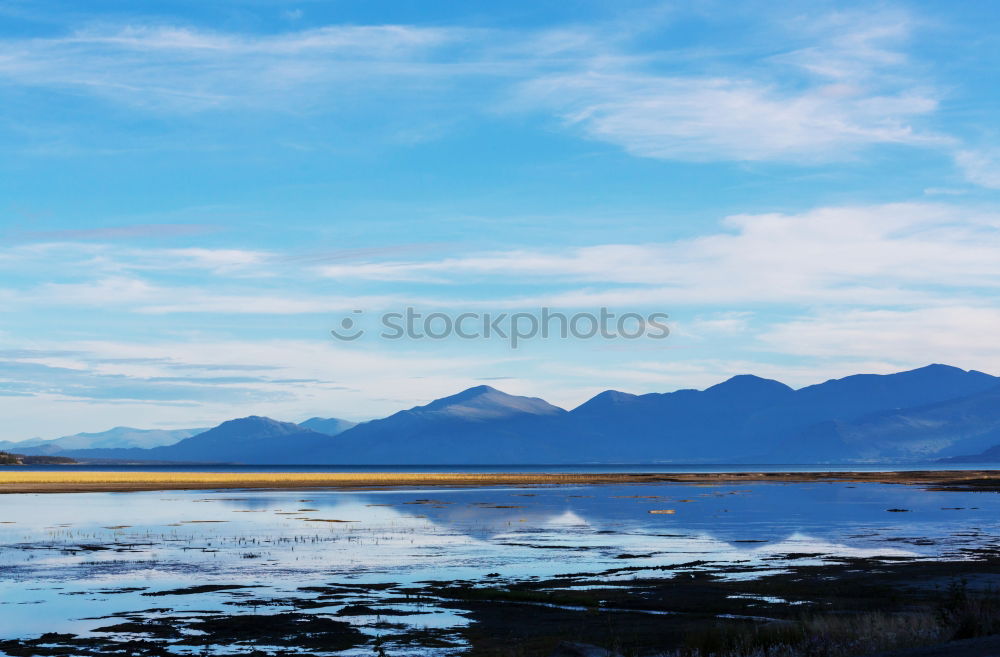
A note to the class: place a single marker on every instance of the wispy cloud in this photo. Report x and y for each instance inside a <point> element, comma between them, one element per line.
<point>144,384</point>
<point>885,254</point>
<point>172,68</point>
<point>820,102</point>
<point>103,259</point>
<point>710,119</point>
<point>961,335</point>
<point>981,167</point>
<point>132,294</point>
<point>890,255</point>
<point>840,85</point>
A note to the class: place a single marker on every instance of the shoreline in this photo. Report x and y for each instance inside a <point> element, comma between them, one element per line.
<point>12,482</point>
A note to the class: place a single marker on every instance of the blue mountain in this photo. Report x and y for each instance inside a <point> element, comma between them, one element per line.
<point>478,425</point>
<point>250,440</point>
<point>116,438</point>
<point>949,429</point>
<point>924,414</point>
<point>744,419</point>
<point>990,455</point>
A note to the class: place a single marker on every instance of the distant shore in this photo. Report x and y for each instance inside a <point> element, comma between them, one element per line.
<point>13,481</point>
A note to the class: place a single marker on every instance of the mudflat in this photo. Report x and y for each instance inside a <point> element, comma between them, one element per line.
<point>798,568</point>
<point>13,480</point>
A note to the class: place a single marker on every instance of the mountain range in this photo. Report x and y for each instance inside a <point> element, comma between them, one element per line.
<point>935,412</point>
<point>128,444</point>
<point>112,438</point>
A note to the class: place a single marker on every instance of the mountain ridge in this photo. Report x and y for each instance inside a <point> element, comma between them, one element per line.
<point>922,414</point>
<point>116,437</point>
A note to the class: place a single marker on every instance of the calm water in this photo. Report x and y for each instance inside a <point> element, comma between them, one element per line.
<point>67,559</point>
<point>584,468</point>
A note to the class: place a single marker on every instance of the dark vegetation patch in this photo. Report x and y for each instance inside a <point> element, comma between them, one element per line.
<point>840,609</point>
<point>365,610</point>
<point>846,608</point>
<point>195,590</point>
<point>288,629</point>
<point>167,637</point>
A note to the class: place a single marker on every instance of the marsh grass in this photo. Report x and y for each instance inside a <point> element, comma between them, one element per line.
<point>72,480</point>
<point>967,615</point>
<point>820,636</point>
<point>65,481</point>
<point>959,614</point>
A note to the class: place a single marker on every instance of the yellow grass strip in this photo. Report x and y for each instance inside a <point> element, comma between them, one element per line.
<point>332,478</point>
<point>15,480</point>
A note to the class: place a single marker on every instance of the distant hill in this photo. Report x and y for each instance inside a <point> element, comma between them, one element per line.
<point>251,440</point>
<point>7,458</point>
<point>919,415</point>
<point>119,437</point>
<point>682,426</point>
<point>753,420</point>
<point>331,426</point>
<point>949,428</point>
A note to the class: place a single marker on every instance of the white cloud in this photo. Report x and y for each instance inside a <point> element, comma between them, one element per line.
<point>137,295</point>
<point>839,87</point>
<point>849,45</point>
<point>285,379</point>
<point>97,257</point>
<point>825,100</point>
<point>171,68</point>
<point>885,254</point>
<point>890,255</point>
<point>115,291</point>
<point>981,167</point>
<point>731,323</point>
<point>707,119</point>
<point>220,260</point>
<point>960,335</point>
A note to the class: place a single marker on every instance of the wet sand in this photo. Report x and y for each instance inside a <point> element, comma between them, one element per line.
<point>74,481</point>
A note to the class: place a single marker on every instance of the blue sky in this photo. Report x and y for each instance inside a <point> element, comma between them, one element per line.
<point>193,194</point>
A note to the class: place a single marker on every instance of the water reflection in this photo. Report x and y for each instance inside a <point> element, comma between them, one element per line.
<point>64,558</point>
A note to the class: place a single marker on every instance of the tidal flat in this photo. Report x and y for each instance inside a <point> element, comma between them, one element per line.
<point>641,567</point>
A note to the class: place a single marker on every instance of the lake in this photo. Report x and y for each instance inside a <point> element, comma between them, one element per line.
<point>76,563</point>
<point>676,468</point>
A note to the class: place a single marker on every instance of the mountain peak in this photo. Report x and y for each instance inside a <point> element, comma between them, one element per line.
<point>930,378</point>
<point>614,396</point>
<point>468,395</point>
<point>604,400</point>
<point>485,402</point>
<point>744,383</point>
<point>939,370</point>
<point>936,369</point>
<point>251,419</point>
<point>254,425</point>
<point>936,410</point>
